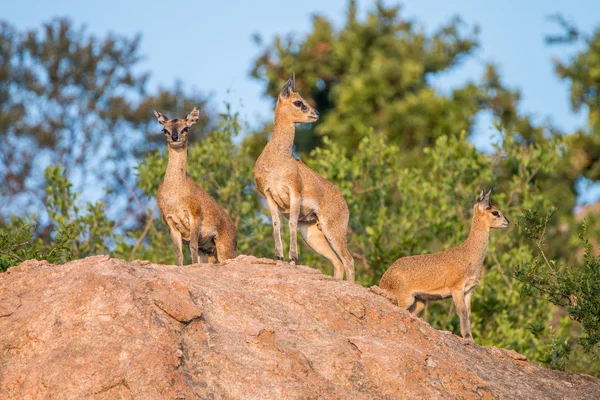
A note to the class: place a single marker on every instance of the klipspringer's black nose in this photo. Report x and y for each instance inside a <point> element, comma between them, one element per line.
<point>175,136</point>
<point>316,112</point>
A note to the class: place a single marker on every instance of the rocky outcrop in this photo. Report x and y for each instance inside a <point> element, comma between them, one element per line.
<point>104,328</point>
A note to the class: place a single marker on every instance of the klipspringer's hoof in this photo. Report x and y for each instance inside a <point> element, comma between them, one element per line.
<point>279,260</point>
<point>293,262</point>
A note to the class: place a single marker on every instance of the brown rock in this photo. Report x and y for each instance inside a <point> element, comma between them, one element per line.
<point>103,328</point>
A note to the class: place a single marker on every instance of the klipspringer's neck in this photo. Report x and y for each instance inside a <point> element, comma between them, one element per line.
<point>284,132</point>
<point>477,242</point>
<point>176,166</point>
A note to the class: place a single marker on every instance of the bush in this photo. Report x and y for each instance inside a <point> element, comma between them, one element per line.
<point>74,234</point>
<point>575,288</point>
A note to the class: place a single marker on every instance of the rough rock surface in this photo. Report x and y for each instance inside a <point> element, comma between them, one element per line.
<point>104,328</point>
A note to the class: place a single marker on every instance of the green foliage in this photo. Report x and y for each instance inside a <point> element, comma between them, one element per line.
<point>575,288</point>
<point>18,243</point>
<point>73,233</point>
<point>92,228</point>
<point>15,244</point>
<point>397,211</point>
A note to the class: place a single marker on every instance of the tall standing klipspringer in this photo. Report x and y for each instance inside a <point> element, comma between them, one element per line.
<point>313,205</point>
<point>191,214</point>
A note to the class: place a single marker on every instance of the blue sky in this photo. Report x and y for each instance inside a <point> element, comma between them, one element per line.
<point>215,41</point>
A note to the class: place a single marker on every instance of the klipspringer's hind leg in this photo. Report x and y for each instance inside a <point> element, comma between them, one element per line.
<point>341,248</point>
<point>313,236</point>
<point>194,237</point>
<point>418,306</point>
<point>406,301</point>
<point>335,233</point>
<point>224,249</point>
<point>203,257</point>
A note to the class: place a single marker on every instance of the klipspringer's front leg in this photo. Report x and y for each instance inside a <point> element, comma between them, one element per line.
<point>176,239</point>
<point>293,223</point>
<point>274,210</point>
<point>463,313</point>
<point>468,302</point>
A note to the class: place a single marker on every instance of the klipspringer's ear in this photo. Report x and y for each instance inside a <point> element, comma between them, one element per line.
<point>192,117</point>
<point>288,88</point>
<point>485,201</point>
<point>480,197</point>
<point>161,117</point>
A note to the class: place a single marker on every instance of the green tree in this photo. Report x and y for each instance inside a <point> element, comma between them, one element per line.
<point>574,288</point>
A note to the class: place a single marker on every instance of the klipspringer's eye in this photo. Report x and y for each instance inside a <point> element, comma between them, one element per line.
<point>165,131</point>
<point>298,103</point>
<point>184,130</point>
<point>495,213</point>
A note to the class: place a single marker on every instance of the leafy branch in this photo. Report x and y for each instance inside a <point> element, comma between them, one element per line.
<point>575,288</point>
